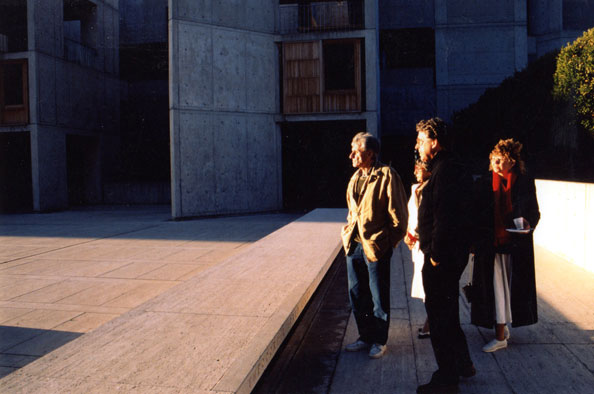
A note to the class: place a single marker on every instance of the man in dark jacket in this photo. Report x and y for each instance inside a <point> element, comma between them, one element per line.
<point>443,236</point>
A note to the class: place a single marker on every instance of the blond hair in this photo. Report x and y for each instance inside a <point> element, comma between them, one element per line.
<point>510,150</point>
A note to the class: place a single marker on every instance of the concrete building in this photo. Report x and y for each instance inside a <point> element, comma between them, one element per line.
<point>59,105</point>
<point>462,48</point>
<point>241,106</point>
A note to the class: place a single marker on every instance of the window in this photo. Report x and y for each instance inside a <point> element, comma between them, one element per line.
<point>407,48</point>
<point>339,66</point>
<point>80,31</point>
<point>13,26</point>
<point>322,76</point>
<point>14,105</point>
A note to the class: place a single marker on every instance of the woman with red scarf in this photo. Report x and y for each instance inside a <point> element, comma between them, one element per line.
<point>504,286</point>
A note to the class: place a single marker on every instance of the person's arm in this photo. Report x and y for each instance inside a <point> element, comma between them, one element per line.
<point>397,208</point>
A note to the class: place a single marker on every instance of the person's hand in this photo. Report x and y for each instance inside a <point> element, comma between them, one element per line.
<point>409,241</point>
<point>433,262</point>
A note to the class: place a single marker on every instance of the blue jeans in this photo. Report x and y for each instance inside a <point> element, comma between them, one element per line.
<point>369,294</point>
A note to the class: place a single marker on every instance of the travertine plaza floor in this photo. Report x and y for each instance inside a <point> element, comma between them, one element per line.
<point>64,274</point>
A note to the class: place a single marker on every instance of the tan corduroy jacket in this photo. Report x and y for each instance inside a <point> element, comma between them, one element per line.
<point>380,215</point>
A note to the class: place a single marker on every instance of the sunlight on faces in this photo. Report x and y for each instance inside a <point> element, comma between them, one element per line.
<point>501,165</point>
<point>425,146</point>
<point>360,158</point>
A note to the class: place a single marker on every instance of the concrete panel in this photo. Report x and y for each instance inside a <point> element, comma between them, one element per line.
<point>48,157</point>
<point>398,14</point>
<point>546,16</point>
<point>229,13</point>
<point>192,10</point>
<point>565,227</point>
<point>521,47</point>
<point>371,58</point>
<point>196,163</point>
<point>110,21</point>
<point>261,69</point>
<point>263,163</point>
<point>480,68</point>
<point>451,99</point>
<point>194,61</point>
<point>64,91</point>
<point>48,17</point>
<point>46,91</point>
<point>230,158</point>
<point>144,21</point>
<point>479,39</point>
<point>471,11</point>
<point>229,69</point>
<point>260,15</point>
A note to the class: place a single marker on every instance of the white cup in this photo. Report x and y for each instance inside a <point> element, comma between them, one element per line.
<point>519,223</point>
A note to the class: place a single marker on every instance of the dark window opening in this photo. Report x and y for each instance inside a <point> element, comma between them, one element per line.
<point>16,185</point>
<point>12,76</point>
<point>147,61</point>
<point>407,48</point>
<point>80,31</point>
<point>313,175</point>
<point>13,26</point>
<point>339,66</point>
<point>14,102</point>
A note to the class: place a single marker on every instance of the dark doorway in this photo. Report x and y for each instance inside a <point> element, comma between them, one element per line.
<point>16,190</point>
<point>84,170</point>
<point>316,167</point>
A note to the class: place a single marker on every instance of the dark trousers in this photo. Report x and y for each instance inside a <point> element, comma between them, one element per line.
<point>441,286</point>
<point>369,294</point>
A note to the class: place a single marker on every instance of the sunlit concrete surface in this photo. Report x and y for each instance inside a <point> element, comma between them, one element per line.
<point>214,332</point>
<point>64,274</point>
<point>556,355</point>
<point>566,225</point>
<point>94,311</point>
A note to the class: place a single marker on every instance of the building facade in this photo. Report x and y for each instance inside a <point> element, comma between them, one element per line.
<point>240,106</point>
<point>59,105</point>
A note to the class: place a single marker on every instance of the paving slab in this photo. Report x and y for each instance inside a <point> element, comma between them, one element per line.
<point>556,355</point>
<point>215,332</point>
<point>64,274</point>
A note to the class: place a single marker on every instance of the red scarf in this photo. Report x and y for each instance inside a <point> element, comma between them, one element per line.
<point>503,206</point>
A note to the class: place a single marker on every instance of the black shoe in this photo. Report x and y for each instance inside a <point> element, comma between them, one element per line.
<point>424,334</point>
<point>439,384</point>
<point>438,388</point>
<point>467,371</point>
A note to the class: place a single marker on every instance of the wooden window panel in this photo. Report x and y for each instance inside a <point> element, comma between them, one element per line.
<point>301,77</point>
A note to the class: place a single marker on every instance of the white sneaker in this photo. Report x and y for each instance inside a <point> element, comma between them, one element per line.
<point>506,333</point>
<point>356,346</point>
<point>377,350</point>
<point>495,345</point>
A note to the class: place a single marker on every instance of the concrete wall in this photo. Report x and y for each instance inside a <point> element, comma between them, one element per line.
<point>566,226</point>
<point>477,44</point>
<point>225,144</point>
<point>143,21</point>
<point>67,97</point>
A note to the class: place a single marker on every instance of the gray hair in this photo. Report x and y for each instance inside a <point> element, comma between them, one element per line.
<point>368,141</point>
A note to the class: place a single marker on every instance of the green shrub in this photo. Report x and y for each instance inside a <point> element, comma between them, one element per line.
<point>574,77</point>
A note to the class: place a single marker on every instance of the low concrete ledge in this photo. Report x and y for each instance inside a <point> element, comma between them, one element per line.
<point>216,332</point>
<point>566,224</point>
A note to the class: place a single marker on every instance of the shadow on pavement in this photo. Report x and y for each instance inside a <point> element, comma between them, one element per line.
<point>20,346</point>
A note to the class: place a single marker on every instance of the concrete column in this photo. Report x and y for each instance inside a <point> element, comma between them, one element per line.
<point>48,166</point>
<point>225,149</point>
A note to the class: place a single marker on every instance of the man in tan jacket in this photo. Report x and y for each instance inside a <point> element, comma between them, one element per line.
<point>377,222</point>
